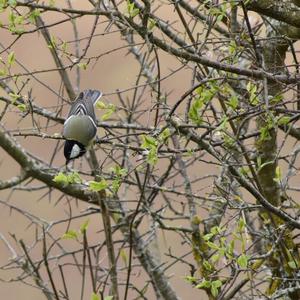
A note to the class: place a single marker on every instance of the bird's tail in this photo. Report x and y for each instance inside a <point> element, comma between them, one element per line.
<point>94,95</point>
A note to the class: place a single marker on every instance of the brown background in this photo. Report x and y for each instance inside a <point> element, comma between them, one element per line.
<point>116,70</point>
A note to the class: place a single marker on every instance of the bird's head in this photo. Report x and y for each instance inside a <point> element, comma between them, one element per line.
<point>73,149</point>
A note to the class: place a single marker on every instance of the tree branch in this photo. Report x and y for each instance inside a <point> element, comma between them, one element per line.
<point>284,11</point>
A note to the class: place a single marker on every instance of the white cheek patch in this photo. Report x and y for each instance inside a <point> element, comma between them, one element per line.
<point>75,151</point>
<point>65,123</point>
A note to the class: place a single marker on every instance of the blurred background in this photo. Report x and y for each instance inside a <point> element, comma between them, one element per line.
<point>110,68</point>
<point>96,54</point>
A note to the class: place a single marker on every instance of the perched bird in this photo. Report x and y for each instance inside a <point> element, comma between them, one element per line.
<point>80,126</point>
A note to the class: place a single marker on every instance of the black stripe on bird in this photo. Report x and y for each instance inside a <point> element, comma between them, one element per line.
<point>80,126</point>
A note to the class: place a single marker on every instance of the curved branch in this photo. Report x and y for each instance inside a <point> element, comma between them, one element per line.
<point>243,182</point>
<point>62,72</point>
<point>39,170</point>
<point>292,131</point>
<point>13,181</point>
<point>255,6</point>
<point>191,57</point>
<point>43,173</point>
<point>284,11</point>
<point>83,12</point>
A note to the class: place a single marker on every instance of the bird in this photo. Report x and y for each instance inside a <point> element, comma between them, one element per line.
<point>80,126</point>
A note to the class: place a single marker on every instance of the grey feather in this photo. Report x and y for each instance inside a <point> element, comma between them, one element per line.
<point>84,103</point>
<point>81,122</point>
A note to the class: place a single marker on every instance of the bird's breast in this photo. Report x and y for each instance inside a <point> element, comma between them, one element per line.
<point>79,128</point>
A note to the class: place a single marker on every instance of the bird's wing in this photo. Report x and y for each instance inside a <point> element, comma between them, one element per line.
<point>84,104</point>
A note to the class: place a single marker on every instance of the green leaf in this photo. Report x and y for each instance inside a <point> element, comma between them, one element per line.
<point>119,173</point>
<point>212,245</point>
<point>64,46</point>
<point>52,3</point>
<point>14,97</point>
<point>124,256</point>
<point>53,43</point>
<point>152,157</point>
<point>254,100</point>
<point>208,236</point>
<point>115,185</point>
<point>276,99</point>
<point>111,108</point>
<point>97,186</point>
<point>11,58</point>
<point>215,285</point>
<point>249,86</point>
<point>215,257</point>
<point>223,242</point>
<point>230,248</point>
<point>203,284</point>
<point>215,230</point>
<point>284,120</point>
<point>95,297</point>
<point>82,66</point>
<point>108,298</point>
<point>244,170</point>
<point>101,105</point>
<point>71,235</point>
<point>3,72</point>
<point>241,224</point>
<point>33,15</point>
<point>11,18</point>
<point>264,134</point>
<point>22,107</point>
<point>292,265</point>
<point>220,18</point>
<point>233,102</point>
<point>12,3</point>
<point>16,30</point>
<point>151,24</point>
<point>207,265</point>
<point>74,177</point>
<point>117,170</point>
<point>232,47</point>
<point>132,10</point>
<point>165,134</point>
<point>67,178</point>
<point>194,112</point>
<point>190,279</point>
<point>148,142</point>
<point>228,140</point>
<point>84,226</point>
<point>278,174</point>
<point>3,4</point>
<point>261,166</point>
<point>252,88</point>
<point>258,162</point>
<point>18,20</point>
<point>107,115</point>
<point>61,178</point>
<point>243,260</point>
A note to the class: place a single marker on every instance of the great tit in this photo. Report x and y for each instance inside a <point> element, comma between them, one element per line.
<point>80,126</point>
